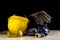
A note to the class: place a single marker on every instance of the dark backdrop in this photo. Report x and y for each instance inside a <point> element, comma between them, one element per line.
<point>8,8</point>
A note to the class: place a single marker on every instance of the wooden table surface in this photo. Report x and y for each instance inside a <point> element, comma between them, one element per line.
<point>53,35</point>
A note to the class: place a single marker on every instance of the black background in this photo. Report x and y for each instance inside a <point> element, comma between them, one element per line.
<point>8,8</point>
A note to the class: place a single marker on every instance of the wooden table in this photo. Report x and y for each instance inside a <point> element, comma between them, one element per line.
<point>53,35</point>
